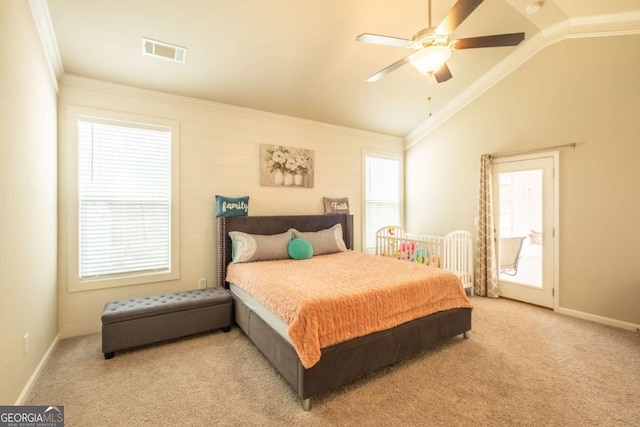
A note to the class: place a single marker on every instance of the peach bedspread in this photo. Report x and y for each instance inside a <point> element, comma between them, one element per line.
<point>333,298</point>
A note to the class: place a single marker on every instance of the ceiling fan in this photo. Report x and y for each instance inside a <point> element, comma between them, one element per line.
<point>432,46</point>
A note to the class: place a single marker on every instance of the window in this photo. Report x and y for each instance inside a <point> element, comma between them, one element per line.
<point>382,195</point>
<point>125,220</point>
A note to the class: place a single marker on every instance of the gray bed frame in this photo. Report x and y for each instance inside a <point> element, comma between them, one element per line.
<point>341,363</point>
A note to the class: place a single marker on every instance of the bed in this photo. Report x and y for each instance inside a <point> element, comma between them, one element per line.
<point>343,362</point>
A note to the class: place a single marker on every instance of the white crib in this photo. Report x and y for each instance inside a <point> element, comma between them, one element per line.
<point>452,252</point>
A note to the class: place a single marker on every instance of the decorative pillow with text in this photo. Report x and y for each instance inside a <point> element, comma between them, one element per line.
<point>229,206</point>
<point>336,206</point>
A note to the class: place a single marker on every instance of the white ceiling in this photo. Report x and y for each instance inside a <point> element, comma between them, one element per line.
<point>298,57</point>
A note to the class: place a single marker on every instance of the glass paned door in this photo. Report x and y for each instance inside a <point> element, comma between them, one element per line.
<point>521,227</point>
<point>524,218</point>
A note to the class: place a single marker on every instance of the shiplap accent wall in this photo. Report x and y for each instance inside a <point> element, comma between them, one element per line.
<point>219,154</point>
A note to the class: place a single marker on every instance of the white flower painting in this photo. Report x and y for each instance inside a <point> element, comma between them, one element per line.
<point>286,166</point>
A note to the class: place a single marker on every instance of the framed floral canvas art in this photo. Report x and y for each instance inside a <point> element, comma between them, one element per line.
<point>286,166</point>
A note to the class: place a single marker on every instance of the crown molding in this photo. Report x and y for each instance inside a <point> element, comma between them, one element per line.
<point>42,19</point>
<point>594,26</point>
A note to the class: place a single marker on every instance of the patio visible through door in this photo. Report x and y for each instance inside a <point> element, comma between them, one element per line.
<point>525,205</point>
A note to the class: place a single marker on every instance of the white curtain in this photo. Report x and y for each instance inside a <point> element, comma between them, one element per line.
<point>486,277</point>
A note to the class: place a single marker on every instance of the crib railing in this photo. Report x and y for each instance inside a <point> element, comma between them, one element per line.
<point>452,252</point>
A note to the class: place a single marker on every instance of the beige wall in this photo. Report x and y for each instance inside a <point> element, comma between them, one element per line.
<point>219,154</point>
<point>581,90</point>
<point>28,302</point>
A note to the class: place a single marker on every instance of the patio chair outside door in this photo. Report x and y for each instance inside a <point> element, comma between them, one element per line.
<point>510,248</point>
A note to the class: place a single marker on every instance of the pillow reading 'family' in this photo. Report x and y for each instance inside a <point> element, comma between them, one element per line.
<point>229,206</point>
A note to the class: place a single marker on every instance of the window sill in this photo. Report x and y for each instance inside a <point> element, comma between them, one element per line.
<point>81,285</point>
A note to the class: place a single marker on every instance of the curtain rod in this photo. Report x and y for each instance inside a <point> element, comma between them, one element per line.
<point>514,153</point>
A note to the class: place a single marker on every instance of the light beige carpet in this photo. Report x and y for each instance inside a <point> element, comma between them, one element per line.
<point>522,365</point>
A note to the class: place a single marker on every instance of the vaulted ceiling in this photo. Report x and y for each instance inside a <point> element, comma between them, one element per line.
<point>300,57</point>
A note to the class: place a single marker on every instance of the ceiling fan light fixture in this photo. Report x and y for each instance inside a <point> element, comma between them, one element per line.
<point>430,59</point>
<point>432,46</point>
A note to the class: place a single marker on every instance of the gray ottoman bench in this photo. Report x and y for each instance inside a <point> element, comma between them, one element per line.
<point>139,321</point>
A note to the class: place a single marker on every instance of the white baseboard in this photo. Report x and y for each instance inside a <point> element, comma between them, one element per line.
<point>599,319</point>
<point>36,372</point>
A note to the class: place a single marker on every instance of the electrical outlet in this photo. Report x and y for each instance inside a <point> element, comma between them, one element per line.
<point>25,344</point>
<point>203,283</point>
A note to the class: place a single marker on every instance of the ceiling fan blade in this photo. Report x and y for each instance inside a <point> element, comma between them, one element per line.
<point>385,40</point>
<point>458,13</point>
<point>497,40</point>
<point>443,74</point>
<point>380,74</point>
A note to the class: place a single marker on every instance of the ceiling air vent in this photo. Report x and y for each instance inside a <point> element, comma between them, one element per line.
<point>164,50</point>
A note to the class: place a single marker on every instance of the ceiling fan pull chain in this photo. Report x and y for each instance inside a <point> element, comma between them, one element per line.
<point>429,97</point>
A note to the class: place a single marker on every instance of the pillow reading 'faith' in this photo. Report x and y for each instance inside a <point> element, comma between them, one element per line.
<point>336,206</point>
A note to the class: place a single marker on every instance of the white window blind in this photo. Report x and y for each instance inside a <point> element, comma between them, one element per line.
<point>124,190</point>
<point>382,196</point>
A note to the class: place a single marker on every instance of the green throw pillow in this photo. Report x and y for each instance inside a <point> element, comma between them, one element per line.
<point>300,249</point>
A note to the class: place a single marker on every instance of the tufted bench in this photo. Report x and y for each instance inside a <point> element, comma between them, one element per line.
<point>139,321</point>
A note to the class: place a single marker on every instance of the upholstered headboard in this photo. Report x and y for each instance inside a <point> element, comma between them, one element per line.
<point>268,225</point>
